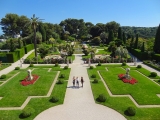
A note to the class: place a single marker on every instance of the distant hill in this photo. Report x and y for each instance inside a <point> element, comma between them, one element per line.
<point>145,32</point>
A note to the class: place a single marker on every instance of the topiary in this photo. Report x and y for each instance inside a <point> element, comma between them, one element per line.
<point>3,76</point>
<point>139,66</point>
<point>101,98</point>
<point>54,99</point>
<point>62,76</point>
<point>56,65</point>
<point>91,67</point>
<point>60,82</point>
<point>27,112</point>
<point>65,67</point>
<point>131,111</point>
<point>17,68</point>
<point>95,81</point>
<point>31,65</point>
<point>153,74</point>
<point>99,64</point>
<point>124,64</point>
<point>93,76</point>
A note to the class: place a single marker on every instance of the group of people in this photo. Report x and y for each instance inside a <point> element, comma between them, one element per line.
<point>76,81</point>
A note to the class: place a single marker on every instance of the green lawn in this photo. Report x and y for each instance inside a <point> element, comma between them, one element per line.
<point>14,94</point>
<point>4,65</point>
<point>144,92</point>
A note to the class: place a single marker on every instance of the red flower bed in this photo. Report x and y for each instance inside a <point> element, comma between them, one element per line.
<point>131,81</point>
<point>26,82</point>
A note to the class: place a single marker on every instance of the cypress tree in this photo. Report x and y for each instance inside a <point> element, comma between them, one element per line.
<point>136,42</point>
<point>111,36</point>
<point>124,38</point>
<point>142,48</point>
<point>120,33</point>
<point>43,32</point>
<point>132,40</point>
<point>156,46</point>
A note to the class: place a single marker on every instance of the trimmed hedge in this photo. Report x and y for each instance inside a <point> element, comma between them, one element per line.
<point>28,48</point>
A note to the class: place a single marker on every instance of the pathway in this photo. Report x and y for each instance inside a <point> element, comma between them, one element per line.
<point>79,103</point>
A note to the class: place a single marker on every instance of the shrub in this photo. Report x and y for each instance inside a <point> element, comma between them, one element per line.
<point>153,74</point>
<point>101,98</point>
<point>139,66</point>
<point>65,67</point>
<point>31,65</point>
<point>131,111</point>
<point>95,81</point>
<point>91,67</point>
<point>3,76</point>
<point>56,65</point>
<point>62,76</point>
<point>93,76</point>
<point>60,82</point>
<point>17,68</point>
<point>27,112</point>
<point>54,99</point>
<point>99,64</point>
<point>159,80</point>
<point>123,64</point>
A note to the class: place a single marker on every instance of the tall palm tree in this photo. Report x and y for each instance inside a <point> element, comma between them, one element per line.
<point>34,23</point>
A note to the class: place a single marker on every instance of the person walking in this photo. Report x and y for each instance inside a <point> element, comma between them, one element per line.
<point>82,81</point>
<point>77,82</point>
<point>74,81</point>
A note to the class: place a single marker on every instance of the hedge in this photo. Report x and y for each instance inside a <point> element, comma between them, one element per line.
<point>156,57</point>
<point>28,48</point>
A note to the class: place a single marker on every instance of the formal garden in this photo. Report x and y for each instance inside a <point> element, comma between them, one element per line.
<point>121,95</point>
<point>48,91</point>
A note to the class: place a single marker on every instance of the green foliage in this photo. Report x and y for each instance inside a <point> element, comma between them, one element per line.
<point>54,99</point>
<point>93,76</point>
<point>136,42</point>
<point>56,65</point>
<point>65,67</point>
<point>91,67</point>
<point>142,48</point>
<point>27,112</point>
<point>153,74</point>
<point>95,81</point>
<point>131,111</point>
<point>62,76</point>
<point>101,98</point>
<point>31,65</point>
<point>111,36</point>
<point>3,76</point>
<point>120,33</point>
<point>124,64</point>
<point>99,64</point>
<point>156,47</point>
<point>139,66</point>
<point>60,82</point>
<point>17,68</point>
<point>96,40</point>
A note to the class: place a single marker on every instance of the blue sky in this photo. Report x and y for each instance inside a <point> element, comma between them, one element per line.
<point>139,13</point>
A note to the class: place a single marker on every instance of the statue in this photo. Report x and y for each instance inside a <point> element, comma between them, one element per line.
<point>30,77</point>
<point>127,73</point>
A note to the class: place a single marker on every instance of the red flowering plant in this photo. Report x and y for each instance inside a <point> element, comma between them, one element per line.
<point>26,82</point>
<point>125,80</point>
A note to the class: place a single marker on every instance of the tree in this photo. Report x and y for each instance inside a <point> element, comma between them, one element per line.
<point>156,47</point>
<point>120,33</point>
<point>142,48</point>
<point>110,37</point>
<point>124,38</point>
<point>136,42</point>
<point>34,23</point>
<point>42,31</point>
<point>132,41</point>
<point>103,36</point>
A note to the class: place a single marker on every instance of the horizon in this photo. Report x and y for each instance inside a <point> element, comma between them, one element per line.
<point>131,13</point>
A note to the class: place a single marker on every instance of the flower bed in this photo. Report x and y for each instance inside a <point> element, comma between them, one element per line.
<point>131,81</point>
<point>26,82</point>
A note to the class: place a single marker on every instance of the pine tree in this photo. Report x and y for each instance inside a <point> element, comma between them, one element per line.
<point>124,38</point>
<point>120,33</point>
<point>136,42</point>
<point>111,36</point>
<point>142,48</point>
<point>156,46</point>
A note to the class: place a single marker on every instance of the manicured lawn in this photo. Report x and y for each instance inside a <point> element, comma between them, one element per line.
<point>144,92</point>
<point>14,94</point>
<point>4,65</point>
<point>103,52</point>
